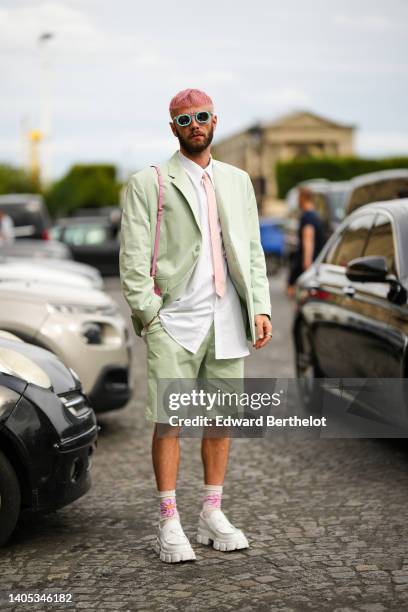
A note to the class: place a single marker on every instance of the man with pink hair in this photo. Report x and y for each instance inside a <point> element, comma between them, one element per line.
<point>210,295</point>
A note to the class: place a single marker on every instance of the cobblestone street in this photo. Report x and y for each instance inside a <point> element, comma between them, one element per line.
<point>327,520</point>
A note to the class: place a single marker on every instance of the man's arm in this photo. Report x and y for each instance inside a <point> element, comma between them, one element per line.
<point>308,241</point>
<point>135,254</point>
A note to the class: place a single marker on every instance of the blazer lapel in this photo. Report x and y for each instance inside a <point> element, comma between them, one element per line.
<point>181,181</point>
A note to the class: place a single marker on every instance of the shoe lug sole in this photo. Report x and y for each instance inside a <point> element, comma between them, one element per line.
<point>206,538</point>
<point>174,557</point>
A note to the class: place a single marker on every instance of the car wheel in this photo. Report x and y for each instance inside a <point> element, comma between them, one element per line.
<point>308,373</point>
<point>10,499</point>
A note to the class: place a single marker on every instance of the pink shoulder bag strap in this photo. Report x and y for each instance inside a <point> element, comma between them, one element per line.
<point>160,207</point>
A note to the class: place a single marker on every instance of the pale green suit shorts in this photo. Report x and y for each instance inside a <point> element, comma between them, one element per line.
<point>168,360</point>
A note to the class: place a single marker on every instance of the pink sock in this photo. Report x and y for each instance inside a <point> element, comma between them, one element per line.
<point>212,498</point>
<point>168,506</point>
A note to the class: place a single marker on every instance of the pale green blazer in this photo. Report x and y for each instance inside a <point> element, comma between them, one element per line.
<point>180,240</point>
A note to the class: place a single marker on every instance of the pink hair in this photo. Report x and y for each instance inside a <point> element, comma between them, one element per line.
<point>189,97</point>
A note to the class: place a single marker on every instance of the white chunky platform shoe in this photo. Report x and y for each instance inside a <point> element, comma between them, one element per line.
<point>172,544</point>
<point>217,529</point>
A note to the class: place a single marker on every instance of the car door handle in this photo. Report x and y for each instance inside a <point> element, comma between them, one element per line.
<point>349,291</point>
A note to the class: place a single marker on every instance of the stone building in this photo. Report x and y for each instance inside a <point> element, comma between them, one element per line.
<point>258,148</point>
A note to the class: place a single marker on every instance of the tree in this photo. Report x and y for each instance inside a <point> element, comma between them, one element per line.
<point>15,180</point>
<point>84,186</point>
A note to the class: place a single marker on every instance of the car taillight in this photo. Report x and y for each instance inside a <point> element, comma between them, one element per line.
<point>319,294</point>
<point>45,235</point>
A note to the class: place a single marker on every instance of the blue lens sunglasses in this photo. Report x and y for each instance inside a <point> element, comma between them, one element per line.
<point>185,119</point>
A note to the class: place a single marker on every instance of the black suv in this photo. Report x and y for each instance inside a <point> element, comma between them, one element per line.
<point>29,214</point>
<point>48,432</point>
<point>352,311</point>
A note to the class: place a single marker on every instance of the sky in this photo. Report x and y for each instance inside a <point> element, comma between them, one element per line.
<point>114,66</point>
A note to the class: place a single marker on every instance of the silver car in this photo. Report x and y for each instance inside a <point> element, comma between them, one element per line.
<point>36,249</point>
<point>376,187</point>
<point>82,326</point>
<point>24,269</point>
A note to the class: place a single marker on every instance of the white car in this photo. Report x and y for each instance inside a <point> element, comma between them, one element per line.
<point>82,326</point>
<point>36,249</point>
<point>60,272</point>
<point>74,267</point>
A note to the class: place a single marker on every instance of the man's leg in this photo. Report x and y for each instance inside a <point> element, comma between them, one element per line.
<point>166,456</point>
<point>166,359</point>
<point>219,376</point>
<point>225,375</point>
<point>214,453</point>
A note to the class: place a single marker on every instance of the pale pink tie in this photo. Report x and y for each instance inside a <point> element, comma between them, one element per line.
<point>219,277</point>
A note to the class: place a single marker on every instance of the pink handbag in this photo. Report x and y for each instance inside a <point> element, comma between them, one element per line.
<point>160,207</point>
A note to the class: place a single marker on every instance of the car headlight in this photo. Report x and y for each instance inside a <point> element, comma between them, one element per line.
<point>105,311</point>
<point>15,364</point>
<point>8,399</point>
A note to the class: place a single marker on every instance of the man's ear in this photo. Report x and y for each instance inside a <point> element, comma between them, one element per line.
<point>215,119</point>
<point>173,129</point>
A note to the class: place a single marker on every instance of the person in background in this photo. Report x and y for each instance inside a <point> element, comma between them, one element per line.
<point>311,238</point>
<point>6,229</point>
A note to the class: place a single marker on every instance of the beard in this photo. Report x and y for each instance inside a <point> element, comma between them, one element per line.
<point>192,147</point>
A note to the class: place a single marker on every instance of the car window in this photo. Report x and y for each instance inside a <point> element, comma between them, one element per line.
<point>385,189</point>
<point>381,241</point>
<point>336,200</point>
<point>56,232</point>
<point>80,235</point>
<point>351,241</point>
<point>321,206</point>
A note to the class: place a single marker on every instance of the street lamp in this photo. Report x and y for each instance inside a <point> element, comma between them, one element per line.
<point>45,107</point>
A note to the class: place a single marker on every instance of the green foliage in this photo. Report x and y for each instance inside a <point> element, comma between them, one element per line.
<point>15,180</point>
<point>84,186</point>
<point>289,174</point>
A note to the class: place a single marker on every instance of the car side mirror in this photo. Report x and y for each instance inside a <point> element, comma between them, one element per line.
<point>371,269</point>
